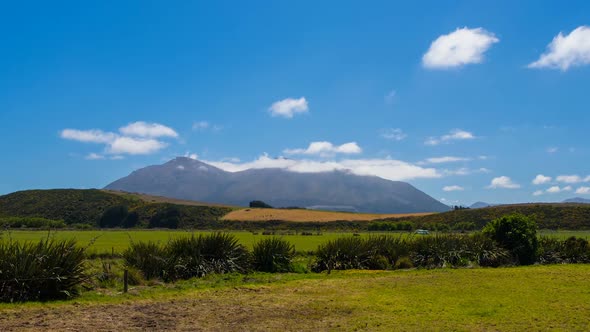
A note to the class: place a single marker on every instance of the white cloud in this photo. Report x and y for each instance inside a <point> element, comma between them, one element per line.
<point>201,125</point>
<point>460,47</point>
<point>287,108</point>
<point>88,136</point>
<point>557,189</point>
<point>583,191</point>
<point>566,51</point>
<point>135,146</point>
<point>389,169</point>
<point>326,149</point>
<point>390,97</point>
<point>445,159</point>
<point>94,156</point>
<point>151,130</point>
<point>453,188</point>
<point>538,193</point>
<point>587,179</point>
<point>134,139</point>
<point>453,135</point>
<point>552,149</point>
<point>569,179</point>
<point>395,134</point>
<point>541,179</point>
<point>503,182</point>
<point>193,156</point>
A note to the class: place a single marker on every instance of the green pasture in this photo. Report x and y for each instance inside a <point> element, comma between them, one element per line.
<point>99,241</point>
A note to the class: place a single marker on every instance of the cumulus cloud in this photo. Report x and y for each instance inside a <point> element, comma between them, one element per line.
<point>541,179</point>
<point>395,134</point>
<point>569,179</point>
<point>135,146</point>
<point>566,51</point>
<point>453,135</point>
<point>538,193</point>
<point>289,107</point>
<point>137,138</point>
<point>88,136</point>
<point>94,156</point>
<point>326,149</point>
<point>458,48</point>
<point>389,169</point>
<point>583,191</point>
<point>557,189</point>
<point>503,182</point>
<point>552,149</point>
<point>453,188</point>
<point>445,159</point>
<point>151,130</point>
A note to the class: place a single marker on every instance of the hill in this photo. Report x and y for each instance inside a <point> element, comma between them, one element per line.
<point>301,215</point>
<point>92,206</point>
<point>577,200</point>
<point>185,178</point>
<point>548,215</point>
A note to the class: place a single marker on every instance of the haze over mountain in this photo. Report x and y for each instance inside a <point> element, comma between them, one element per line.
<point>186,178</point>
<point>577,200</point>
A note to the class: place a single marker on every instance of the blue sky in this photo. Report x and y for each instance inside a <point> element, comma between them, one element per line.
<point>466,100</point>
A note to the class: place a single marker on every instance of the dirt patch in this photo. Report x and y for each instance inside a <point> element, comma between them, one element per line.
<point>241,309</point>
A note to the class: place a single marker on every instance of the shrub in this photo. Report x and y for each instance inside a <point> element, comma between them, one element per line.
<point>273,255</point>
<point>30,222</point>
<point>342,254</point>
<point>571,250</point>
<point>259,204</point>
<point>391,248</point>
<point>516,233</point>
<point>149,257</point>
<point>46,270</point>
<point>187,257</point>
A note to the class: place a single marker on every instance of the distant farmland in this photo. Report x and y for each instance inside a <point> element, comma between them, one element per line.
<point>302,215</point>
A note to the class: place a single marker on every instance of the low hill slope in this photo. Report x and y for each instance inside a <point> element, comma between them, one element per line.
<point>301,215</point>
<point>89,206</point>
<point>547,215</point>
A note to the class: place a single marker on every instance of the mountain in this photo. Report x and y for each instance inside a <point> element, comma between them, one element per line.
<point>185,178</point>
<point>577,200</point>
<point>479,205</point>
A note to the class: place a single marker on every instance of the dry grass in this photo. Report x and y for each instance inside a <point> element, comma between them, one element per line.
<point>302,215</point>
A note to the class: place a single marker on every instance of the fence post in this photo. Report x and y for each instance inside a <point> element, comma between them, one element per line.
<point>125,281</point>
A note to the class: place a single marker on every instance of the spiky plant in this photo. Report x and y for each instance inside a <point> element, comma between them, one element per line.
<point>46,270</point>
<point>273,255</point>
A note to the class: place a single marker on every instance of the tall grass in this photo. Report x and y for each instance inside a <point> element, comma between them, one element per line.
<point>187,257</point>
<point>273,255</point>
<point>46,270</point>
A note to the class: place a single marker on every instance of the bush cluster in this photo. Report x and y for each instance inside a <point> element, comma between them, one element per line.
<point>30,222</point>
<point>387,252</point>
<point>197,256</point>
<point>46,270</point>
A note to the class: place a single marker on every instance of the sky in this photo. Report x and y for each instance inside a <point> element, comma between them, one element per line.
<point>466,100</point>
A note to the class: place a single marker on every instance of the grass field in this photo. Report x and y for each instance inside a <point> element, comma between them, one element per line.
<point>504,299</point>
<point>118,240</point>
<point>303,215</point>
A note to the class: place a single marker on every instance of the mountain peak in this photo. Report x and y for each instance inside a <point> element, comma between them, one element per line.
<point>186,178</point>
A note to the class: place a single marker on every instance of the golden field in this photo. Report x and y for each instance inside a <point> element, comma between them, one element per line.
<point>301,215</point>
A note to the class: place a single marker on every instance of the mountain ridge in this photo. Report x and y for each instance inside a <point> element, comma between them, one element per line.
<point>185,178</point>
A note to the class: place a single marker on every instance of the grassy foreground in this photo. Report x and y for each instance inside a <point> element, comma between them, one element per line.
<point>505,299</point>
